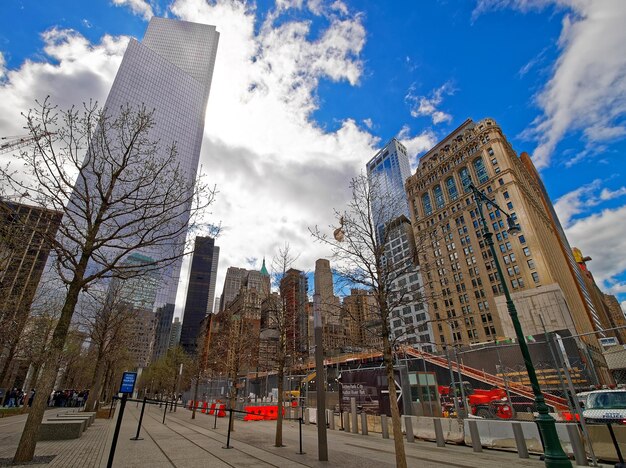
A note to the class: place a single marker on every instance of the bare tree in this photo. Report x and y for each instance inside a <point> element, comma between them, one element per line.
<point>119,191</point>
<point>108,322</point>
<point>279,320</point>
<point>363,257</point>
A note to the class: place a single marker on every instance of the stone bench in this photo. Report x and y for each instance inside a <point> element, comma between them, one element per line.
<point>61,430</point>
<point>91,417</point>
<point>68,419</point>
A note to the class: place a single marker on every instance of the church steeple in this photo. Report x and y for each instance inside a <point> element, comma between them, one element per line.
<point>264,271</point>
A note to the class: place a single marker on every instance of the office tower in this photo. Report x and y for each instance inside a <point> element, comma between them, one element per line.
<point>606,307</point>
<point>164,317</point>
<point>459,274</point>
<point>23,255</point>
<point>238,277</point>
<point>232,283</point>
<point>169,71</point>
<point>410,322</point>
<point>293,290</point>
<point>141,337</point>
<point>329,307</point>
<point>387,173</point>
<point>137,293</point>
<point>175,333</point>
<point>362,319</point>
<point>200,291</point>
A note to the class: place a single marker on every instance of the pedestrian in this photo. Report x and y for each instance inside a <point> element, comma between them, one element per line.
<point>13,398</point>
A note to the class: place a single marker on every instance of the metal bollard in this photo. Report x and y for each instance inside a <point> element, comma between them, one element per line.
<point>355,423</point>
<point>364,423</point>
<point>520,441</point>
<point>230,424</point>
<point>384,424</point>
<point>577,446</point>
<point>475,435</point>
<point>331,419</point>
<point>346,421</point>
<point>408,426</point>
<point>307,416</point>
<point>300,430</point>
<point>143,407</point>
<point>441,441</point>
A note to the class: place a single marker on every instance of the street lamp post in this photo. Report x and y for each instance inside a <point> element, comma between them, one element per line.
<point>554,454</point>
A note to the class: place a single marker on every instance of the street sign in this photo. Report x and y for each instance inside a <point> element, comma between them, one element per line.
<point>128,382</point>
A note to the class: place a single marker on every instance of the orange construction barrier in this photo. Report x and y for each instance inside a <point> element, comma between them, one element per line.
<point>254,413</point>
<point>221,413</point>
<point>204,406</point>
<point>212,411</point>
<point>190,404</point>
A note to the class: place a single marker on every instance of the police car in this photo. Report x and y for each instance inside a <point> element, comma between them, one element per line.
<point>604,406</point>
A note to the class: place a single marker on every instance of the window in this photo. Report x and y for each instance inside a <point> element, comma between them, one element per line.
<point>453,193</point>
<point>428,208</point>
<point>465,178</point>
<point>500,181</point>
<point>439,201</point>
<point>506,195</point>
<point>535,276</point>
<point>527,251</point>
<point>531,264</point>
<point>514,284</point>
<point>481,171</point>
<point>522,239</point>
<point>509,205</point>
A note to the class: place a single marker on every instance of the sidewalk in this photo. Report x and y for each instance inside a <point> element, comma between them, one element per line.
<point>185,443</point>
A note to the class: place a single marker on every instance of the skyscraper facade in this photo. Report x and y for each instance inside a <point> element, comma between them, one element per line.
<point>170,71</point>
<point>23,255</point>
<point>200,291</point>
<point>329,307</point>
<point>293,290</point>
<point>387,172</point>
<point>459,273</point>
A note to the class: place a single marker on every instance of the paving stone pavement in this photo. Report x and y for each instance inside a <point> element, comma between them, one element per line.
<point>185,443</point>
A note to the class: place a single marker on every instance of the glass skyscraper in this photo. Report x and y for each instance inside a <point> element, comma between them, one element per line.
<point>170,71</point>
<point>387,171</point>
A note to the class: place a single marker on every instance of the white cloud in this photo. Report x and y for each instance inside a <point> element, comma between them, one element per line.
<point>139,7</point>
<point>429,105</point>
<point>623,304</point>
<point>3,66</point>
<point>415,145</point>
<point>601,236</point>
<point>584,199</point>
<point>587,90</point>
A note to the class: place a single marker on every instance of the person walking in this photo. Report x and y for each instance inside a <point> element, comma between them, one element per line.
<point>12,398</point>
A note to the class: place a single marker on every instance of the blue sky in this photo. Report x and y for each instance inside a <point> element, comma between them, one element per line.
<point>548,71</point>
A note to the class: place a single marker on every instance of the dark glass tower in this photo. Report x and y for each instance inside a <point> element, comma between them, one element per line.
<point>200,292</point>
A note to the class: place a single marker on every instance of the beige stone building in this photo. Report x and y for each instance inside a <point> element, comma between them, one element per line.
<point>329,306</point>
<point>362,320</point>
<point>459,273</point>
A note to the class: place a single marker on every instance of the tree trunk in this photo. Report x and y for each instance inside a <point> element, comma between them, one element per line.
<point>195,398</point>
<point>95,391</point>
<point>398,441</point>
<point>26,448</point>
<point>279,419</point>
<point>7,363</point>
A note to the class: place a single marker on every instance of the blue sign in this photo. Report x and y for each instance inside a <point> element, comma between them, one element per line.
<point>128,382</point>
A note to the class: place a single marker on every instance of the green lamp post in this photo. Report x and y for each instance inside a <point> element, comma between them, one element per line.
<point>553,452</point>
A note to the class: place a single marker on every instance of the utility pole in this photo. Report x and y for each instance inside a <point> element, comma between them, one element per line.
<point>322,441</point>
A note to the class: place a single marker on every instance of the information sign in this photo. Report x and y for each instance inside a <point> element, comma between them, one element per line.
<point>128,382</point>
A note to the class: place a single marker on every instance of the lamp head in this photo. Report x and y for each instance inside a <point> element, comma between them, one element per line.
<point>513,229</point>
